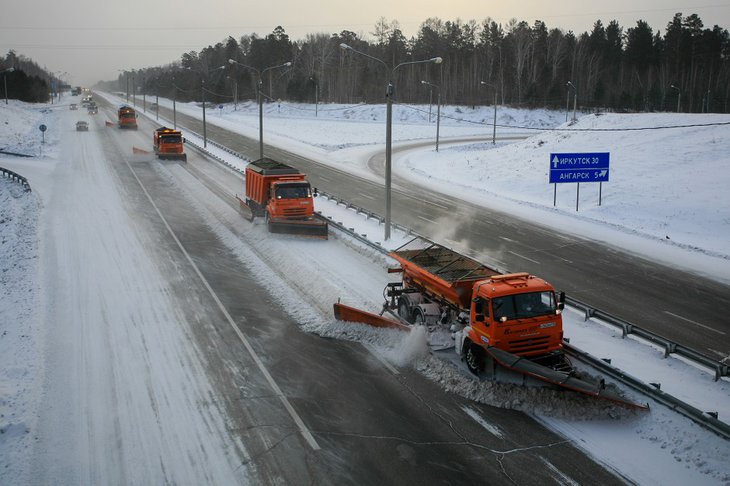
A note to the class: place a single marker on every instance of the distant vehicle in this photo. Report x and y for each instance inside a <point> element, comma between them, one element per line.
<point>127,117</point>
<point>74,107</point>
<point>82,126</point>
<point>93,110</point>
<point>168,144</point>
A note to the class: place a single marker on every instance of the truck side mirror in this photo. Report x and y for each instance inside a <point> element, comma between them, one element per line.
<point>315,193</point>
<point>561,300</point>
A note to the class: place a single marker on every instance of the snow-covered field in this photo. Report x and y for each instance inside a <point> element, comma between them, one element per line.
<point>672,450</point>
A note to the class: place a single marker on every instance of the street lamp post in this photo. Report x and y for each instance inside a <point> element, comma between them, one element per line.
<point>235,92</point>
<point>316,96</point>
<point>389,126</point>
<point>679,95</point>
<point>202,85</point>
<point>438,108</point>
<point>575,100</point>
<point>260,97</point>
<point>174,103</point>
<point>205,132</point>
<point>5,81</point>
<point>494,121</point>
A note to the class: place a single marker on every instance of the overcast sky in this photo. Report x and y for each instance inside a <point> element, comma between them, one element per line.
<point>91,40</point>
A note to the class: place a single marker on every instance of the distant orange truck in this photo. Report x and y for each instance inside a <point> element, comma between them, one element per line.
<point>168,144</point>
<point>127,117</point>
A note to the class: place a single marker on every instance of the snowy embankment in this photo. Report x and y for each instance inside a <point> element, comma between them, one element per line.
<point>21,336</point>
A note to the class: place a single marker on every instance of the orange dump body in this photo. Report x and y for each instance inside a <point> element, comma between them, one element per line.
<point>127,117</point>
<point>516,313</point>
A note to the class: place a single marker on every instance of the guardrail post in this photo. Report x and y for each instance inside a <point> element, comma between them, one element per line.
<point>669,348</point>
<point>626,329</point>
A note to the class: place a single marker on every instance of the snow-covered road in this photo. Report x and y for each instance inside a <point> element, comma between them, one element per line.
<point>120,366</point>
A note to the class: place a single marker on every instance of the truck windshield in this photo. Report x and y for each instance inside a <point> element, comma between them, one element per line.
<point>293,191</point>
<point>521,306</point>
<point>176,139</point>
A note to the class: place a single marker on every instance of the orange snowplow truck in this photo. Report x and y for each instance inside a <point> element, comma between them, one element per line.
<point>508,328</point>
<point>127,117</point>
<point>517,313</point>
<point>283,196</point>
<point>168,144</point>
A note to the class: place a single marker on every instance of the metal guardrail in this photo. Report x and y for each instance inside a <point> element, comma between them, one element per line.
<point>9,174</point>
<point>708,420</point>
<point>720,369</point>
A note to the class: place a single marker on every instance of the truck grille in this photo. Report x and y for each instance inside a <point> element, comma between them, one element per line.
<point>535,344</point>
<point>295,212</point>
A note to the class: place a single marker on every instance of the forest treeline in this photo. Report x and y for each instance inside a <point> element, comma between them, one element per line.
<point>609,68</point>
<point>25,80</point>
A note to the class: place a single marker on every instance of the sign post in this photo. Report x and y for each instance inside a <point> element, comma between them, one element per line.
<point>577,168</point>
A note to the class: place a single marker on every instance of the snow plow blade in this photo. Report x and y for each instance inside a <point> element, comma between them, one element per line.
<point>136,150</point>
<point>305,227</point>
<point>183,157</point>
<point>350,314</point>
<point>110,124</point>
<point>528,368</point>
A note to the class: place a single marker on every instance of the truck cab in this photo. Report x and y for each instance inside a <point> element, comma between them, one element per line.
<point>168,143</point>
<point>290,199</point>
<point>127,117</point>
<point>518,313</point>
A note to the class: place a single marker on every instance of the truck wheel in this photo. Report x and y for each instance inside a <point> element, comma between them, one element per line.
<point>418,318</point>
<point>474,358</point>
<point>404,310</point>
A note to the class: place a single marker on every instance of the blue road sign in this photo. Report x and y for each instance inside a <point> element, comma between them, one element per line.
<point>587,167</point>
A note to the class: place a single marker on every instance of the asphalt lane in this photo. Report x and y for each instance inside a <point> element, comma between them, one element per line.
<point>684,307</point>
<point>373,426</point>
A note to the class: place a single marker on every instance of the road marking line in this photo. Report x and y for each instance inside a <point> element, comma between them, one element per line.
<point>294,415</point>
<point>492,429</point>
<point>426,219</point>
<point>694,322</point>
<point>367,196</point>
<point>324,178</point>
<point>506,239</point>
<point>725,356</point>
<point>382,360</point>
<point>431,203</point>
<point>562,477</point>
<point>523,256</point>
